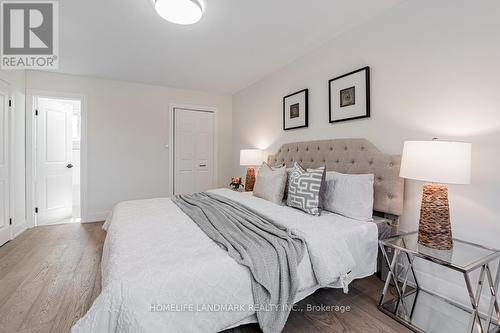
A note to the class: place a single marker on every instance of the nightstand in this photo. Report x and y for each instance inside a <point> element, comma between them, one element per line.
<point>417,308</point>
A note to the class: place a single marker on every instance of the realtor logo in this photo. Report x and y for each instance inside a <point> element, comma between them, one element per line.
<point>30,34</point>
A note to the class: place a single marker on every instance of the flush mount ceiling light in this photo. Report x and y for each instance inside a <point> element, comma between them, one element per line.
<point>179,11</point>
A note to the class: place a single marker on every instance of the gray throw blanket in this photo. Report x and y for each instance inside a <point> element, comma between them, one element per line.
<point>269,250</point>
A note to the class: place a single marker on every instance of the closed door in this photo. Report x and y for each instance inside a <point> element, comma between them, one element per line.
<point>53,154</point>
<point>4,165</point>
<point>193,151</point>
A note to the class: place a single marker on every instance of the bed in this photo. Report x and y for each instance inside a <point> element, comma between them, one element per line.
<point>161,273</point>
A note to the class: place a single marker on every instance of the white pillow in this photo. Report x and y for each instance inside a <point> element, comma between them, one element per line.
<point>270,184</point>
<point>349,195</point>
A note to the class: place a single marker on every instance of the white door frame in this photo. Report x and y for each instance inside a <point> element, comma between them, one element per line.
<point>31,151</point>
<point>170,144</point>
<point>11,143</point>
<point>10,153</point>
<point>9,136</point>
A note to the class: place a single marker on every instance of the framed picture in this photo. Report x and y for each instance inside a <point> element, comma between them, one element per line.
<point>295,110</point>
<point>350,96</point>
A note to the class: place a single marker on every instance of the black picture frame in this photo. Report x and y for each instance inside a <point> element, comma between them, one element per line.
<point>306,108</point>
<point>367,85</point>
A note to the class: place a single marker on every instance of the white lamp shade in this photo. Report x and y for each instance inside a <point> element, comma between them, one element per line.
<point>250,157</point>
<point>437,161</point>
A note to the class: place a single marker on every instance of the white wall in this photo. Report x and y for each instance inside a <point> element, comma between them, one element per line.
<point>16,81</point>
<point>435,73</point>
<point>127,130</point>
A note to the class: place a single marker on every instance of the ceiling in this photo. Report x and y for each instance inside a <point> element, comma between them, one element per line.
<point>235,44</point>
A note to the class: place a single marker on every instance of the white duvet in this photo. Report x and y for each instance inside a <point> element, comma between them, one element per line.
<point>161,273</point>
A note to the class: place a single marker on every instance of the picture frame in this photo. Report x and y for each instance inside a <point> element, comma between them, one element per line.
<point>296,110</point>
<point>349,96</point>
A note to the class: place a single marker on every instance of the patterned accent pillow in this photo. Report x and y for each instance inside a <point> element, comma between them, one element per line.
<point>304,187</point>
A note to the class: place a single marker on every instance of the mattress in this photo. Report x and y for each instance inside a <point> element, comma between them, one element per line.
<point>157,265</point>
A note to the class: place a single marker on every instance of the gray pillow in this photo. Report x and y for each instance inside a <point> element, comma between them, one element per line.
<point>288,171</point>
<point>276,167</point>
<point>270,184</point>
<point>304,187</point>
<point>349,195</point>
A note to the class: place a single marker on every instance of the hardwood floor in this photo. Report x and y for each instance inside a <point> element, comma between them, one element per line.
<point>363,315</point>
<point>49,277</point>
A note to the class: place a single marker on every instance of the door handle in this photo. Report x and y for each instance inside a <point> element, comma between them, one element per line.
<point>69,166</point>
<point>202,165</point>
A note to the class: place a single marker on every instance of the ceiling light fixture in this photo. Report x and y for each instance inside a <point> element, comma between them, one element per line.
<point>179,11</point>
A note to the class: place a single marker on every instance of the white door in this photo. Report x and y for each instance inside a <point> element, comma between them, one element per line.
<point>4,165</point>
<point>54,195</point>
<point>193,151</point>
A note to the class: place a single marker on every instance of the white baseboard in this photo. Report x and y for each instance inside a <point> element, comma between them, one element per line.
<point>92,221</point>
<point>95,217</point>
<point>18,228</point>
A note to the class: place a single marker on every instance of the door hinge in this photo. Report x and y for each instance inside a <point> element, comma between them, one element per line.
<point>10,102</point>
<point>36,210</point>
<point>10,221</point>
<point>36,112</point>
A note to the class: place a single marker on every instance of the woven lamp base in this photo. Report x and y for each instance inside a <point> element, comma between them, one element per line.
<point>250,179</point>
<point>434,230</point>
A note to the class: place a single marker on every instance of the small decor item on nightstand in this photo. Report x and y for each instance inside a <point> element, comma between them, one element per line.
<point>250,158</point>
<point>295,110</point>
<point>236,184</point>
<point>439,162</point>
<point>349,96</point>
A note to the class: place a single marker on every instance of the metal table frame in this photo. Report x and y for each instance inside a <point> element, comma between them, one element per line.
<point>474,295</point>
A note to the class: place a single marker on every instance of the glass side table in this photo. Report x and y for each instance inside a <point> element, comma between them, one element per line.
<point>415,306</point>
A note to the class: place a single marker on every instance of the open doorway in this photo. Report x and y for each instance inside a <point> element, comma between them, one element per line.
<point>57,159</point>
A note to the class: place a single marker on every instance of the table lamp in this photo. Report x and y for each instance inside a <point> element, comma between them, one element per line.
<point>250,158</point>
<point>438,163</point>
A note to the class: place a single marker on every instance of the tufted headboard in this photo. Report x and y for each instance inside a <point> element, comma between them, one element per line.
<point>354,156</point>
